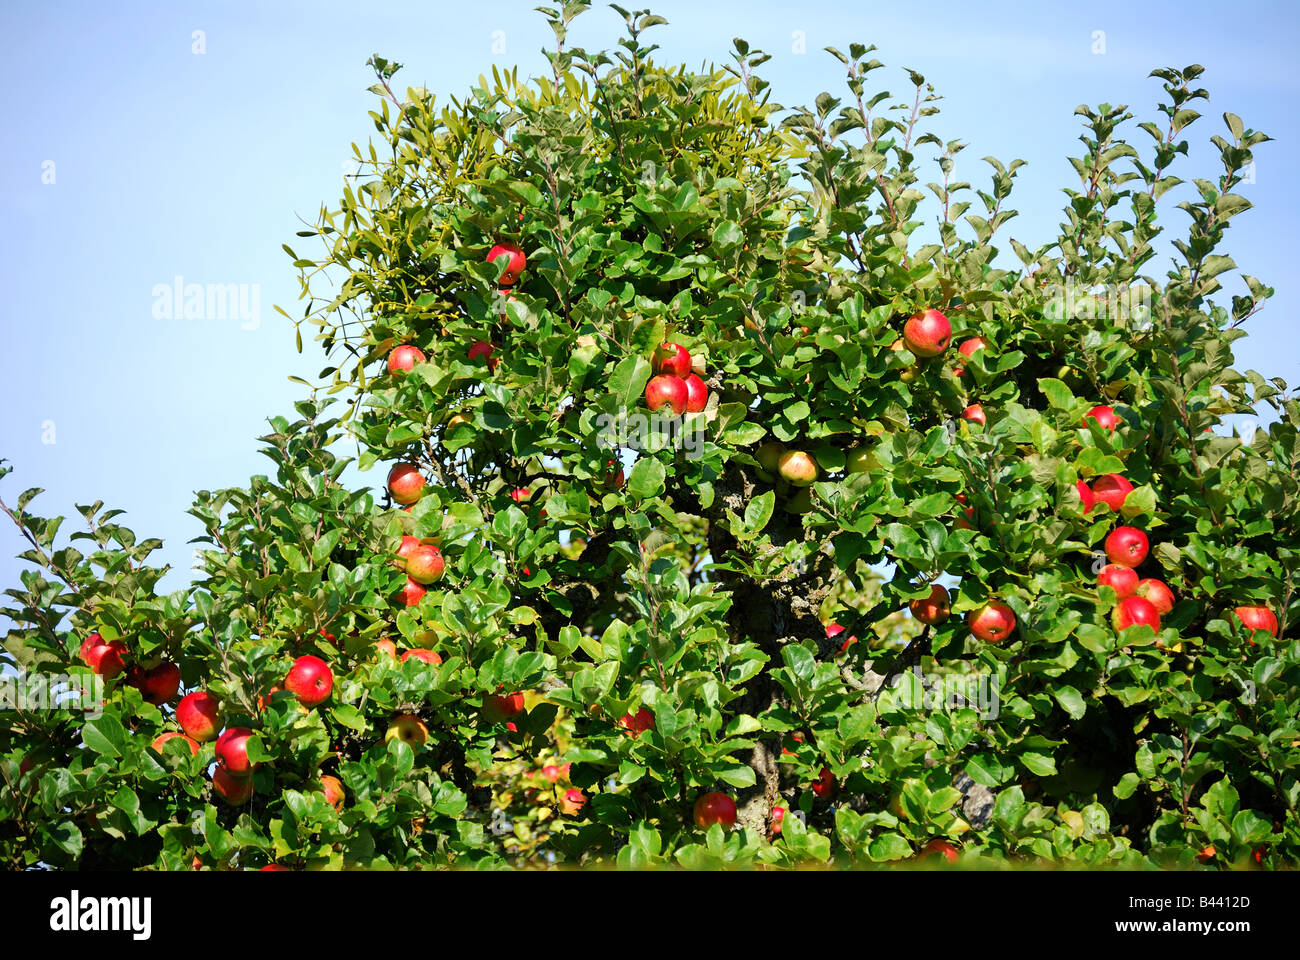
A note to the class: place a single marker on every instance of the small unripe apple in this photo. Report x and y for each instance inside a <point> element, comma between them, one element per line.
<point>797,467</point>
<point>425,564</point>
<point>1123,580</point>
<point>860,460</point>
<point>514,266</point>
<point>232,751</point>
<point>666,389</point>
<point>230,788</point>
<point>992,622</point>
<point>1161,597</point>
<point>310,680</point>
<point>1257,618</point>
<point>1105,416</point>
<point>482,348</point>
<point>975,412</point>
<point>199,715</point>
<point>1127,546</point>
<point>1111,489</point>
<point>928,333</point>
<point>408,728</point>
<point>768,456</point>
<point>404,358</point>
<point>934,608</point>
<point>713,808</point>
<point>1135,611</point>
<point>697,394</point>
<point>673,359</point>
<point>405,483</point>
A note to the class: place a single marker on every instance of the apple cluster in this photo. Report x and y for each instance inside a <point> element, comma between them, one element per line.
<point>676,384</point>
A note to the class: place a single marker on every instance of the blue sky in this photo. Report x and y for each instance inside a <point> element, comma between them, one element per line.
<point>167,162</point>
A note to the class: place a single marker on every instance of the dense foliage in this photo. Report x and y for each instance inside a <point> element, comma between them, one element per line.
<point>658,594</point>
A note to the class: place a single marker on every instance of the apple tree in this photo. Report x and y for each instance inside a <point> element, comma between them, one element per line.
<point>717,450</point>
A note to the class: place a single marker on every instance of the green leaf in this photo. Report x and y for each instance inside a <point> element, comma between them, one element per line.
<point>105,735</point>
<point>646,479</point>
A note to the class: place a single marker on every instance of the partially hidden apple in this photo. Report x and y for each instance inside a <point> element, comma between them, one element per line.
<point>667,390</point>
<point>968,349</point>
<point>1111,489</point>
<point>1105,417</point>
<point>697,394</point>
<point>1123,580</point>
<point>232,751</point>
<point>797,468</point>
<point>412,593</point>
<point>713,808</point>
<point>672,358</point>
<point>502,707</point>
<point>975,413</point>
<point>408,728</point>
<point>425,656</point>
<point>230,788</point>
<point>1135,611</point>
<point>405,483</point>
<point>162,739</point>
<point>514,266</point>
<point>1158,592</point>
<point>199,715</point>
<point>1257,618</point>
<point>637,725</point>
<point>481,348</point>
<point>404,358</point>
<point>932,609</point>
<point>768,456</point>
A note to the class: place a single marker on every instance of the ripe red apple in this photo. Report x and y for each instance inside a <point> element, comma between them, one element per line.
<point>768,456</point>
<point>672,358</point>
<point>975,412</point>
<point>1111,489</point>
<point>1127,546</point>
<point>199,715</point>
<point>992,622</point>
<point>697,394</point>
<point>928,333</point>
<point>332,787</point>
<point>553,773</point>
<point>613,478</point>
<point>713,808</point>
<point>482,348</point>
<point>425,564</point>
<point>310,680</point>
<point>964,523</point>
<point>572,802</point>
<point>778,815</point>
<point>408,728</point>
<point>514,266</point>
<point>105,658</point>
<point>91,644</point>
<point>408,547</point>
<point>427,656</point>
<point>797,467</point>
<point>643,721</point>
<point>666,389</point>
<point>232,789</point>
<point>519,494</point>
<point>404,358</point>
<point>161,740</point>
<point>1135,611</point>
<point>502,707</point>
<point>1123,580</point>
<point>1257,618</point>
<point>232,751</point>
<point>825,784</point>
<point>932,609</point>
<point>967,349</point>
<point>834,630</point>
<point>275,866</point>
<point>412,593</point>
<point>159,685</point>
<point>941,847</point>
<point>386,647</point>
<point>405,483</point>
<point>1085,494</point>
<point>1106,417</point>
<point>1161,597</point>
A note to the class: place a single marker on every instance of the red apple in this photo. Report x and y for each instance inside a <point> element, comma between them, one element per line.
<point>1127,546</point>
<point>572,802</point>
<point>1111,489</point>
<point>232,789</point>
<point>425,564</point>
<point>1135,611</point>
<point>666,389</point>
<point>199,715</point>
<point>1106,417</point>
<point>672,358</point>
<point>332,787</point>
<point>275,866</point>
<point>404,358</point>
<point>553,773</point>
<point>386,647</point>
<point>232,751</point>
<point>106,659</point>
<point>514,266</point>
<point>405,483</point>
<point>310,680</point>
<point>1123,580</point>
<point>928,333</point>
<point>426,656</point>
<point>92,643</point>
<point>825,784</point>
<point>412,593</point>
<point>932,609</point>
<point>161,684</point>
<point>964,523</point>
<point>498,707</point>
<point>409,544</point>
<point>519,495</point>
<point>967,349</point>
<point>1085,494</point>
<point>614,478</point>
<point>778,815</point>
<point>161,740</point>
<point>482,348</point>
<point>1257,618</point>
<point>713,808</point>
<point>697,394</point>
<point>975,412</point>
<point>834,630</point>
<point>941,847</point>
<point>1161,597</point>
<point>643,721</point>
<point>797,467</point>
<point>992,622</point>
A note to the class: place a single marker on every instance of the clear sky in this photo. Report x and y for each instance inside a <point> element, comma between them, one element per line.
<point>137,151</point>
